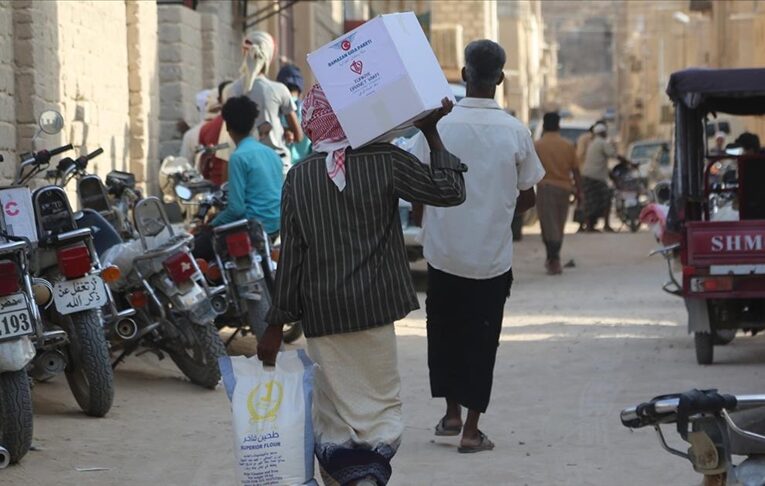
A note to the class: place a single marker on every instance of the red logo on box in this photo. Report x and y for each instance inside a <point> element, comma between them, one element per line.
<point>345,45</point>
<point>357,66</point>
<point>11,208</point>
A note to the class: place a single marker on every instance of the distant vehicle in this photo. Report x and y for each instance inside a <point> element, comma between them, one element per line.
<point>652,157</point>
<point>730,126</point>
<point>570,129</point>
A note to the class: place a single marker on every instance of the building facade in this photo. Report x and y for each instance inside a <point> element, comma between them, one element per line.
<point>656,38</point>
<point>124,73</point>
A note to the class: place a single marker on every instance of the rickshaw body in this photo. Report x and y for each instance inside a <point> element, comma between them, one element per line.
<point>723,261</point>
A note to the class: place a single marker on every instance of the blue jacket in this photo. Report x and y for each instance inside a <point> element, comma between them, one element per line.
<point>255,180</point>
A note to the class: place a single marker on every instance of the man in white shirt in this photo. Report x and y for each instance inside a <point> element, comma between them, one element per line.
<point>469,248</point>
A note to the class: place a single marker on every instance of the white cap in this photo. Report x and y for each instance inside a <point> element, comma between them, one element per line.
<point>599,128</point>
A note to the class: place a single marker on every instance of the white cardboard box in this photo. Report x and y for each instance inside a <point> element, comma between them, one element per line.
<point>380,77</point>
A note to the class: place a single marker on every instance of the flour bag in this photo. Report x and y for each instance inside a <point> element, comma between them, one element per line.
<point>273,431</point>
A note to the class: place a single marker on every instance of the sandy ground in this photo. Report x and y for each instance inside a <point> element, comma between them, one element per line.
<point>575,349</point>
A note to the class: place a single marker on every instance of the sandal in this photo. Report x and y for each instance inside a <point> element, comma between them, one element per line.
<point>444,431</point>
<point>484,444</point>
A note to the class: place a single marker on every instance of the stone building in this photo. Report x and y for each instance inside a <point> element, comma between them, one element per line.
<point>656,38</point>
<point>123,73</point>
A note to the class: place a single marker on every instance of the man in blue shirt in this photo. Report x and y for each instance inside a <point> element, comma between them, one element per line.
<point>255,175</point>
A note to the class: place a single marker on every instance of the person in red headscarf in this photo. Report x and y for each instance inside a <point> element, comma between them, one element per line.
<point>344,273</point>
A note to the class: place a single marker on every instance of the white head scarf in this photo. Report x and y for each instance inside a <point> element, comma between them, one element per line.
<point>259,53</point>
<point>202,103</point>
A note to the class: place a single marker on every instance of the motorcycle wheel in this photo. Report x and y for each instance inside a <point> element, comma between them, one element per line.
<point>705,350</point>
<point>89,371</point>
<point>199,362</point>
<point>15,413</point>
<point>292,332</point>
<point>257,311</point>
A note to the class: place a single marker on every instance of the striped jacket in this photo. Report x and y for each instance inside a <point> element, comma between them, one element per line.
<point>343,266</point>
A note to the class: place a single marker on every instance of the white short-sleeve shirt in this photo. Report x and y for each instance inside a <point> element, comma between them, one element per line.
<point>475,240</point>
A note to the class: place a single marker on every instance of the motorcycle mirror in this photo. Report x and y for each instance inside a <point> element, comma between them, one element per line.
<point>183,192</point>
<point>50,122</point>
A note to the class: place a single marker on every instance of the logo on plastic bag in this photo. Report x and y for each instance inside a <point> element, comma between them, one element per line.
<point>264,401</point>
<point>357,66</point>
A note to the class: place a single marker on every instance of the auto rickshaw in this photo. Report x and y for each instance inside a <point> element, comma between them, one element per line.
<point>723,258</point>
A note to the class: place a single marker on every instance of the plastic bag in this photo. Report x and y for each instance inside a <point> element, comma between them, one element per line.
<point>273,430</point>
<point>15,354</point>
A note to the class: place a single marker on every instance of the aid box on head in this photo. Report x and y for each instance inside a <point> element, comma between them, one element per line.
<point>380,77</point>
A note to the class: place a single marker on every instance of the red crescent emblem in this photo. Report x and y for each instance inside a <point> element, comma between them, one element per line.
<point>11,208</point>
<point>346,44</point>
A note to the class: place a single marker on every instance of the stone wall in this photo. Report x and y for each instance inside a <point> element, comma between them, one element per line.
<point>7,89</point>
<point>94,93</point>
<point>197,50</point>
<point>143,83</point>
<point>36,69</point>
<point>222,35</point>
<point>477,17</point>
<point>180,72</point>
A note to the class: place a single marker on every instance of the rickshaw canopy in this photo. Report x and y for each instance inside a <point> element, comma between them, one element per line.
<point>733,91</point>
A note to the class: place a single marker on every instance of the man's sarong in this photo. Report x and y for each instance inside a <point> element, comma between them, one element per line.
<point>597,197</point>
<point>357,409</point>
<point>552,208</point>
<point>464,324</point>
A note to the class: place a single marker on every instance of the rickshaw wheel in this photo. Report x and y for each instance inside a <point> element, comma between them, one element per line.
<point>724,336</point>
<point>705,350</point>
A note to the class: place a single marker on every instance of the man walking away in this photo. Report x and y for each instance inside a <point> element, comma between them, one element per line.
<point>562,178</point>
<point>344,273</point>
<point>273,98</point>
<point>469,248</point>
<point>597,194</point>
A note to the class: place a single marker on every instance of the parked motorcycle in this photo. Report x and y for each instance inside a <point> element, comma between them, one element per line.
<point>716,426</point>
<point>19,325</point>
<point>243,264</point>
<point>66,257</point>
<point>631,194</point>
<point>112,201</point>
<point>173,303</point>
<point>177,170</point>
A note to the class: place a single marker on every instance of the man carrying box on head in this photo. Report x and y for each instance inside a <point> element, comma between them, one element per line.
<point>344,273</point>
<point>469,248</point>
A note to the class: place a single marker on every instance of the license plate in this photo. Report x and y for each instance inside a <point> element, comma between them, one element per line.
<point>194,295</point>
<point>78,295</point>
<point>15,319</point>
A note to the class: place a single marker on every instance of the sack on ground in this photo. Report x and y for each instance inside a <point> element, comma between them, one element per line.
<point>273,431</point>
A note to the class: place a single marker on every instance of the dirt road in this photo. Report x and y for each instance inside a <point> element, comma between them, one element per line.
<point>575,349</point>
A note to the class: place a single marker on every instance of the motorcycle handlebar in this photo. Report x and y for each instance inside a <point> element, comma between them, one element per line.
<point>212,148</point>
<point>60,150</point>
<point>667,408</point>
<point>94,154</point>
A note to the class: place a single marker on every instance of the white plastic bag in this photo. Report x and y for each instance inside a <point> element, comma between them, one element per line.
<point>273,431</point>
<point>15,354</point>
